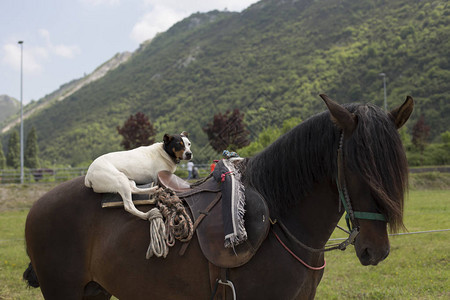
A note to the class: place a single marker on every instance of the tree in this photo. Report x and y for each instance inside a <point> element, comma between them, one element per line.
<point>2,157</point>
<point>137,131</point>
<point>31,150</point>
<point>13,155</point>
<point>227,131</point>
<point>420,134</point>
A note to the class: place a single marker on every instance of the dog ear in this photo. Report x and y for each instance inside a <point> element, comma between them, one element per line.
<point>184,133</point>
<point>167,138</point>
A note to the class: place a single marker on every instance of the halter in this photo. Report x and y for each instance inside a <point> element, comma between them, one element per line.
<point>350,217</point>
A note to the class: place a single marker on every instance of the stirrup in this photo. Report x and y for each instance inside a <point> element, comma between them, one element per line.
<point>226,282</point>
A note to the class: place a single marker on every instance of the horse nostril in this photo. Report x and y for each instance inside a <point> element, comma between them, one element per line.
<point>365,257</point>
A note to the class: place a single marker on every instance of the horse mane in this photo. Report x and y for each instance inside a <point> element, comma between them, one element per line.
<point>286,171</point>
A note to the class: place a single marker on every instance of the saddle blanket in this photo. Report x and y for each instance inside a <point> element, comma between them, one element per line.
<point>115,200</point>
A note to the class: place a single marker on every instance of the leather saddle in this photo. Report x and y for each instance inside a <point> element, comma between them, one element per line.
<point>210,229</point>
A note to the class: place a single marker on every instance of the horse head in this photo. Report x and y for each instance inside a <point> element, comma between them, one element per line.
<point>372,172</point>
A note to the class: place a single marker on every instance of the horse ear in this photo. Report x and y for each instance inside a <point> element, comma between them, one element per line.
<point>401,114</point>
<point>340,116</point>
<point>167,138</point>
<point>184,133</point>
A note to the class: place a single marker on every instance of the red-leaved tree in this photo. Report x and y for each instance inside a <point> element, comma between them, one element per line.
<point>137,131</point>
<point>420,134</point>
<point>227,131</point>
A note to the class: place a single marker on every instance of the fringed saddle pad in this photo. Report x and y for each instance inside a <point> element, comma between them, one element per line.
<point>233,202</point>
<point>115,200</point>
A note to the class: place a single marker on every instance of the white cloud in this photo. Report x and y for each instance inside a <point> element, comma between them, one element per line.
<point>12,54</point>
<point>162,14</point>
<point>35,56</point>
<point>66,51</point>
<point>159,19</point>
<point>99,2</point>
<point>202,5</point>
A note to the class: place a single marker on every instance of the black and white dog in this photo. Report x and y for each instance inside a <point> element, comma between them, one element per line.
<point>118,172</point>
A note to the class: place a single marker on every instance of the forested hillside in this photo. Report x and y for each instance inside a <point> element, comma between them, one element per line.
<point>8,106</point>
<point>271,61</point>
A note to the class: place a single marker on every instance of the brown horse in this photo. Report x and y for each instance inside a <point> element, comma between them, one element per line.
<point>80,251</point>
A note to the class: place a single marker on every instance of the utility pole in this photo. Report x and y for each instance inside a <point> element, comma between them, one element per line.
<point>21,112</point>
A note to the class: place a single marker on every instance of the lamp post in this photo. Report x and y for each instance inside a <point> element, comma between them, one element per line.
<point>21,112</point>
<point>384,87</point>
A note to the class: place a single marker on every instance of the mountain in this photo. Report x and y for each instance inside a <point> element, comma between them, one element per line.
<point>64,91</point>
<point>271,61</point>
<point>8,106</point>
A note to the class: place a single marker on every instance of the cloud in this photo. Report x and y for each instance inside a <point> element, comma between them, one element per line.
<point>100,2</point>
<point>12,54</point>
<point>35,56</point>
<point>202,5</point>
<point>162,14</point>
<point>159,19</point>
<point>60,50</point>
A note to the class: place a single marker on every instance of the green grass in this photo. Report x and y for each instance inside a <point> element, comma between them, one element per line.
<point>417,268</point>
<point>13,258</point>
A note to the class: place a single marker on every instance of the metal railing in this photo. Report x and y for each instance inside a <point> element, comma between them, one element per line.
<point>41,175</point>
<point>45,175</point>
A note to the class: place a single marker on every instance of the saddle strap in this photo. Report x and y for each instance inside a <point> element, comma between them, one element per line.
<point>218,277</point>
<point>202,215</point>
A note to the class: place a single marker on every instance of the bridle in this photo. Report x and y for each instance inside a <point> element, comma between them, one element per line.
<point>351,216</point>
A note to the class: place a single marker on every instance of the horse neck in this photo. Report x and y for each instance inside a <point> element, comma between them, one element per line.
<point>313,218</point>
<point>287,175</point>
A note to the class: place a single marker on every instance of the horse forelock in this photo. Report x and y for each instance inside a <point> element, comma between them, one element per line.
<point>375,153</point>
<point>287,170</point>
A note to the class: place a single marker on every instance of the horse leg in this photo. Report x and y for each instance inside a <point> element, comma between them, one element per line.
<point>94,291</point>
<point>60,268</point>
<point>59,234</point>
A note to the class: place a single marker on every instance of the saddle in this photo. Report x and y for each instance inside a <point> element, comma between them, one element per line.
<point>203,203</point>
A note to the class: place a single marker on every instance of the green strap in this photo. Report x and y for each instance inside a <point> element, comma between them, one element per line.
<point>358,214</point>
<point>369,216</point>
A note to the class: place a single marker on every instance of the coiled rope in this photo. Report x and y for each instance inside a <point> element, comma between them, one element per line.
<point>178,225</point>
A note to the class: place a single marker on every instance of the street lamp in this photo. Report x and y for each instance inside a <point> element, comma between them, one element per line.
<point>384,87</point>
<point>21,111</point>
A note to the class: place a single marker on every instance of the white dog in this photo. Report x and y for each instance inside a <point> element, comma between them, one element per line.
<point>118,172</point>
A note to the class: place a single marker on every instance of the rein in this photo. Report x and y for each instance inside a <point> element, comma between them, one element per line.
<point>350,217</point>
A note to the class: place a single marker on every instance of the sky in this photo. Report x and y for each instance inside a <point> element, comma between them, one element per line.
<point>66,39</point>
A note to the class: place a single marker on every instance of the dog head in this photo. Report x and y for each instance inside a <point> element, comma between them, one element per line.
<point>178,146</point>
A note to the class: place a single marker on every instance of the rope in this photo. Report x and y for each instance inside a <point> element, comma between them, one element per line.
<point>178,224</point>
<point>158,245</point>
<point>402,233</point>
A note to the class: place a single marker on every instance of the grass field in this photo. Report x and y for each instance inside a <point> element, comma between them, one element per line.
<point>417,267</point>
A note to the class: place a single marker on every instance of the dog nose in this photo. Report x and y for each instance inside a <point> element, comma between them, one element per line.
<point>188,155</point>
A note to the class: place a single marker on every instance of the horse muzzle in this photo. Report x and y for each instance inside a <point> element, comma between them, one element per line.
<point>371,254</point>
